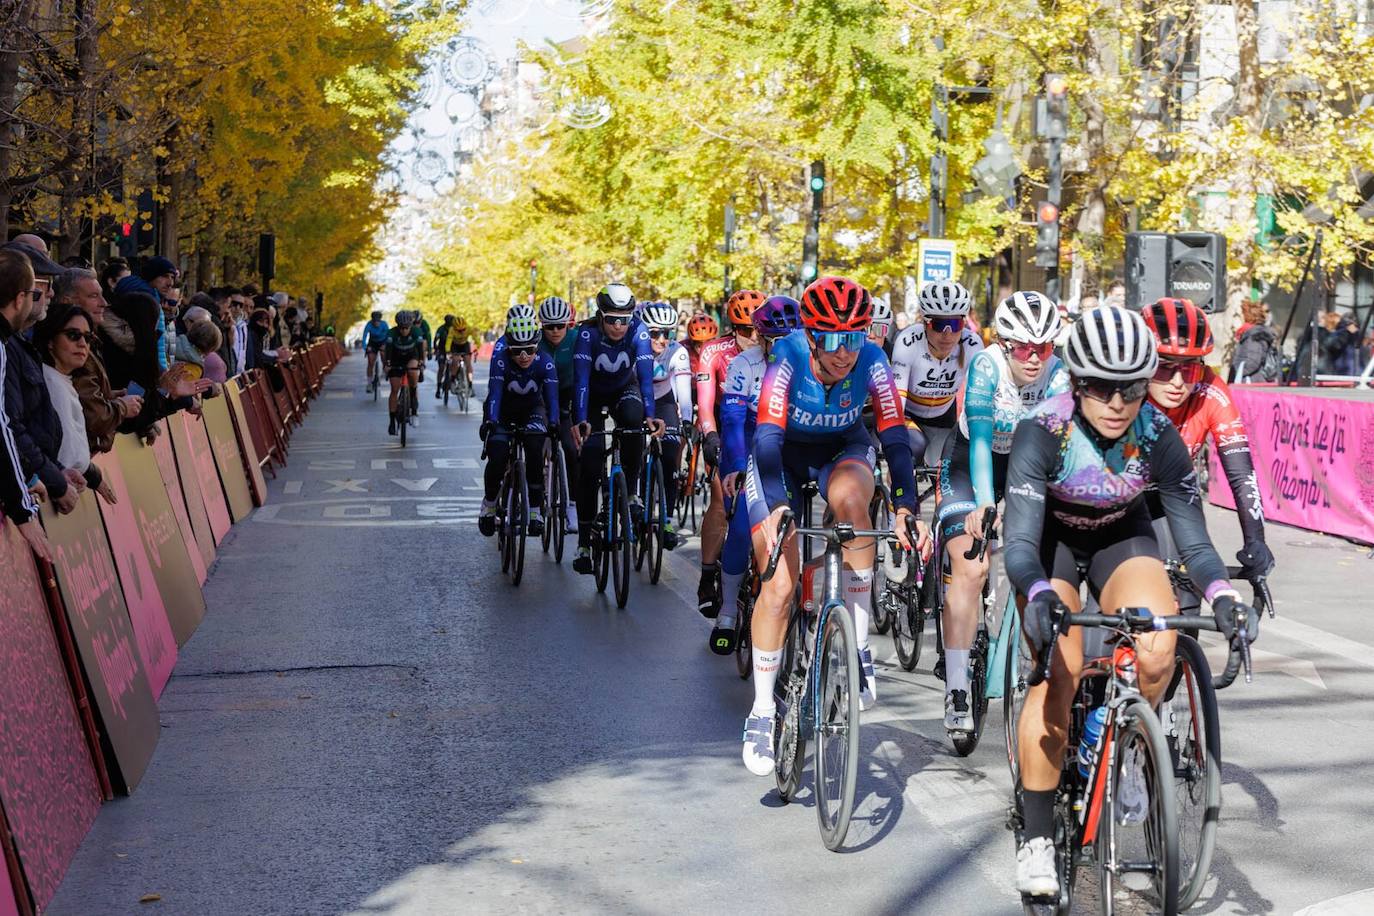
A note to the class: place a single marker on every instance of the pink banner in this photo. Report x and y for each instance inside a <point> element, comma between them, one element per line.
<point>8,906</point>
<point>1314,457</point>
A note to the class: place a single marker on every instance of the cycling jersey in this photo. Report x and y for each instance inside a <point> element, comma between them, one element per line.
<point>710,377</point>
<point>422,331</point>
<point>1092,485</point>
<point>929,386</point>
<point>446,341</point>
<point>795,406</point>
<point>618,365</point>
<point>1209,411</point>
<point>739,410</point>
<point>374,333</point>
<point>518,391</point>
<point>562,357</point>
<point>401,349</point>
<point>673,375</point>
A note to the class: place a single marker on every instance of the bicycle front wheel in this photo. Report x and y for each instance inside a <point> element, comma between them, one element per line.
<point>601,538</point>
<point>1019,665</point>
<point>622,541</point>
<point>908,621</point>
<point>1137,848</point>
<point>518,520</point>
<point>654,511</point>
<point>881,516</point>
<point>1192,730</point>
<point>966,742</point>
<point>789,693</point>
<point>837,727</point>
<point>403,411</point>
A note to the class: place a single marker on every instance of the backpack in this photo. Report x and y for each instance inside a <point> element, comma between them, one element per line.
<point>1257,357</point>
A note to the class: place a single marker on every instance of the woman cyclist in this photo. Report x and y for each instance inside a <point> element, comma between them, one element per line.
<point>672,397</point>
<point>403,354</point>
<point>1199,403</point>
<point>929,360</point>
<point>701,330</point>
<point>1005,382</point>
<point>1080,465</point>
<point>776,318</point>
<point>809,428</point>
<point>880,331</point>
<point>556,320</point>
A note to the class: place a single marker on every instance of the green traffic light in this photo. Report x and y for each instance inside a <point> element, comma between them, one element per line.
<point>817,184</point>
<point>808,271</point>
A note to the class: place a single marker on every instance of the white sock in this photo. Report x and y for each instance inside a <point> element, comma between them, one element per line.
<point>858,594</point>
<point>766,664</point>
<point>572,515</point>
<point>956,669</point>
<point>729,593</point>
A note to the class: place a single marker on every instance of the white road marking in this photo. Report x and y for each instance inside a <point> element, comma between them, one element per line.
<point>292,487</point>
<point>1317,638</point>
<point>1264,660</point>
<point>1356,904</point>
<point>404,464</point>
<point>332,464</point>
<point>422,485</point>
<point>346,486</point>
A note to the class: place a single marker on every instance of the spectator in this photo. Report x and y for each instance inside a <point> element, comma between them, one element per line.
<point>238,313</point>
<point>1341,345</point>
<point>104,409</point>
<point>36,242</point>
<point>1116,294</point>
<point>44,270</point>
<point>200,337</point>
<point>192,315</point>
<point>19,505</point>
<point>63,340</point>
<point>34,424</point>
<point>191,349</point>
<point>115,269</point>
<point>1088,303</point>
<point>155,279</point>
<point>81,287</point>
<point>260,354</point>
<point>1257,357</point>
<point>128,338</point>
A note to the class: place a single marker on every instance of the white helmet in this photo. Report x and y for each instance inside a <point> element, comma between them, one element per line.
<point>554,310</point>
<point>1111,343</point>
<point>616,299</point>
<point>659,315</point>
<point>522,324</point>
<point>944,299</point>
<point>1027,317</point>
<point>882,314</point>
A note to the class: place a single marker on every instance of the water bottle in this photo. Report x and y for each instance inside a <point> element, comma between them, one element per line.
<point>1092,730</point>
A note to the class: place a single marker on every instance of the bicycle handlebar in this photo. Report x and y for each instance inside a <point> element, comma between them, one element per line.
<point>839,534</point>
<point>979,548</point>
<point>783,523</point>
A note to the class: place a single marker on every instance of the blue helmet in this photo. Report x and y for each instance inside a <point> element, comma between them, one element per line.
<point>778,316</point>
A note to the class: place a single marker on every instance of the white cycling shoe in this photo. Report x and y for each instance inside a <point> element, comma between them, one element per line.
<point>868,691</point>
<point>758,745</point>
<point>1036,875</point>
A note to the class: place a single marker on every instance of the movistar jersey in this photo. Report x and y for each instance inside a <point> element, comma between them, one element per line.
<point>604,366</point>
<point>520,390</point>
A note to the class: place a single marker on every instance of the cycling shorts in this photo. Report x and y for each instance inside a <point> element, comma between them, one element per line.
<point>462,349</point>
<point>803,461</point>
<point>956,498</point>
<point>399,371</point>
<point>374,346</point>
<point>1064,550</point>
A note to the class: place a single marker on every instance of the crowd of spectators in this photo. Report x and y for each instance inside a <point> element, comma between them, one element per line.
<point>86,354</point>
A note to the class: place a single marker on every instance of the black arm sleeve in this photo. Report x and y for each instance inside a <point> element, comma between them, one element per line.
<point>1034,452</point>
<point>1172,470</point>
<point>1240,474</point>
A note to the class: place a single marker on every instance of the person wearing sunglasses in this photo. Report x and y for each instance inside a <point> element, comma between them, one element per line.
<point>374,338</point>
<point>880,331</point>
<point>1199,403</point>
<point>1005,382</point>
<point>1076,499</point>
<point>64,339</point>
<point>777,317</point>
<point>930,360</point>
<point>672,397</point>
<point>613,369</point>
<point>701,330</point>
<point>522,392</point>
<point>402,355</point>
<point>810,427</point>
<point>710,379</point>
<point>557,342</point>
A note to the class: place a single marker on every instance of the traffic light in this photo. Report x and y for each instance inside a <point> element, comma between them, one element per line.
<point>817,184</point>
<point>1047,235</point>
<point>1052,109</point>
<point>811,241</point>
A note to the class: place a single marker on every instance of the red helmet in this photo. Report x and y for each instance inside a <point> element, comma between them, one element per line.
<point>702,327</point>
<point>740,308</point>
<point>1180,327</point>
<point>836,304</point>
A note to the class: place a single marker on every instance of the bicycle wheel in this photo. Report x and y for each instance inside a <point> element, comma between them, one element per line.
<point>909,621</point>
<point>1192,730</point>
<point>837,732</point>
<point>559,519</point>
<point>684,489</point>
<point>881,516</point>
<point>550,488</point>
<point>789,724</point>
<point>965,742</point>
<point>744,643</point>
<point>376,380</point>
<point>601,544</point>
<point>641,550</point>
<point>1019,665</point>
<point>1065,862</point>
<point>403,411</point>
<point>503,544</point>
<point>1137,863</point>
<point>518,520</point>
<point>623,542</point>
<point>654,509</point>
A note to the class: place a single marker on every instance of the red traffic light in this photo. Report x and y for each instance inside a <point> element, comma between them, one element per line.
<point>1056,84</point>
<point>1047,212</point>
<point>533,265</point>
<point>126,229</point>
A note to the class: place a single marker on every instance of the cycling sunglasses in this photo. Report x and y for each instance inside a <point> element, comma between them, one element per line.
<point>1190,369</point>
<point>529,350</point>
<point>557,326</point>
<point>1103,389</point>
<point>831,341</point>
<point>1021,352</point>
<point>944,325</point>
<point>661,334</point>
<point>744,330</point>
<point>616,319</point>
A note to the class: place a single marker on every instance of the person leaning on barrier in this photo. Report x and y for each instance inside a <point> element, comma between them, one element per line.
<point>63,340</point>
<point>19,505</point>
<point>103,407</point>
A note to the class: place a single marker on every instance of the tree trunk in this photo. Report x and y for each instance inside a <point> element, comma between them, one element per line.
<point>1244,183</point>
<point>1091,226</point>
<point>15,25</point>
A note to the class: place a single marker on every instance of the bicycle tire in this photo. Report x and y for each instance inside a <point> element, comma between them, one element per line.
<point>1196,751</point>
<point>684,490</point>
<point>1137,728</point>
<point>641,551</point>
<point>744,642</point>
<point>560,505</point>
<point>789,693</point>
<point>550,488</point>
<point>519,521</point>
<point>376,380</point>
<point>601,546</point>
<point>909,621</point>
<point>655,508</point>
<point>403,411</point>
<point>1016,669</point>
<point>966,742</point>
<point>834,780</point>
<point>503,544</point>
<point>444,381</point>
<point>880,514</point>
<point>623,542</point>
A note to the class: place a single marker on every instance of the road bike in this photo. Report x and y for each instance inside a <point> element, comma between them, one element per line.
<point>376,383</point>
<point>443,380</point>
<point>512,507</point>
<point>903,598</point>
<point>744,601</point>
<point>555,497</point>
<point>820,698</point>
<point>1135,854</point>
<point>693,480</point>
<point>464,386</point>
<point>654,498</point>
<point>404,412</point>
<point>613,534</point>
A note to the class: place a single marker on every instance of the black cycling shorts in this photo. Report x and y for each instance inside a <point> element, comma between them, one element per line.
<point>1064,550</point>
<point>956,498</point>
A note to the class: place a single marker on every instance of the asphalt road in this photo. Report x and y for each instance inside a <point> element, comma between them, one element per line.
<point>372,720</point>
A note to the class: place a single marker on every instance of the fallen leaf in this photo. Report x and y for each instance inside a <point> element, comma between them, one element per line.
<point>392,715</point>
<point>150,898</point>
<point>305,696</point>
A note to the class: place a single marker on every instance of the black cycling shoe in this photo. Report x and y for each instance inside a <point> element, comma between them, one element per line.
<point>536,527</point>
<point>671,539</point>
<point>723,639</point>
<point>708,591</point>
<point>582,563</point>
<point>438,393</point>
<point>391,427</point>
<point>486,524</point>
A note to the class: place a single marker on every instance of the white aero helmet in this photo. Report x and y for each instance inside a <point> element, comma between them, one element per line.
<point>944,299</point>
<point>554,310</point>
<point>1027,317</point>
<point>882,314</point>
<point>522,324</point>
<point>659,315</point>
<point>616,299</point>
<point>1111,343</point>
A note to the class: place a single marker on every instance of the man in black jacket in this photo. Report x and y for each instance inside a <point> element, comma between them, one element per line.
<point>17,291</point>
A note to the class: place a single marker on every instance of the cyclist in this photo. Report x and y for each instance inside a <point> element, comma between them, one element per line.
<point>777,317</point>
<point>880,331</point>
<point>930,360</point>
<point>423,332</point>
<point>374,338</point>
<point>1005,382</point>
<point>439,347</point>
<point>701,330</point>
<point>672,397</point>
<point>710,377</point>
<point>556,320</point>
<point>809,428</point>
<point>613,367</point>
<point>402,357</point>
<point>522,392</point>
<point>1199,403</point>
<point>1079,468</point>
